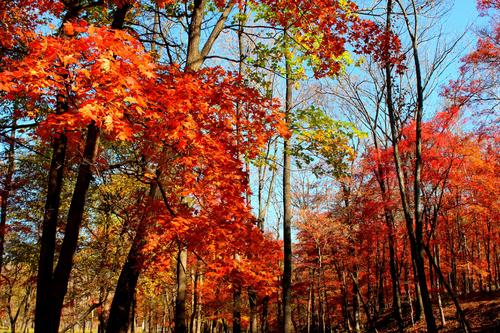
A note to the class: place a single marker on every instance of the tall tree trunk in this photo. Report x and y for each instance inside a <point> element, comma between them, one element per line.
<point>396,296</point>
<point>119,318</point>
<point>237,310</point>
<point>345,303</point>
<point>49,228</point>
<point>418,296</point>
<point>132,314</point>
<point>380,284</point>
<point>309,307</point>
<point>180,300</point>
<point>194,303</point>
<point>5,193</point>
<point>438,287</point>
<point>265,315</point>
<point>287,325</point>
<point>75,215</point>
<point>195,58</point>
<point>355,302</point>
<point>252,303</point>
<point>415,235</point>
<point>389,220</point>
<point>52,285</point>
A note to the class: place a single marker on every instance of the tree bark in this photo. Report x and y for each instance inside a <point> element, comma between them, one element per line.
<point>5,194</point>
<point>180,301</point>
<point>287,325</point>
<point>237,310</point>
<point>49,227</point>
<point>389,220</point>
<point>119,318</point>
<point>75,215</point>
<point>265,315</point>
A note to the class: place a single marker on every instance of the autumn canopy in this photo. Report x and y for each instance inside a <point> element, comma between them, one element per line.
<point>252,165</point>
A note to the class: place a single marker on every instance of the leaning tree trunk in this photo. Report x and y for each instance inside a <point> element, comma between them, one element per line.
<point>75,215</point>
<point>122,305</point>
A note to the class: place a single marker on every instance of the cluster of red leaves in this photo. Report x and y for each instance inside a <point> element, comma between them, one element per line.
<point>383,46</point>
<point>99,73</point>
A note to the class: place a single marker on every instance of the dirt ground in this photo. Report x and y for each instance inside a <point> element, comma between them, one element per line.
<point>482,311</point>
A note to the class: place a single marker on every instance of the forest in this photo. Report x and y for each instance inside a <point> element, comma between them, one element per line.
<point>258,166</point>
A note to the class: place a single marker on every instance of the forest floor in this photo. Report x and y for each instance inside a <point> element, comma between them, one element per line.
<point>482,310</point>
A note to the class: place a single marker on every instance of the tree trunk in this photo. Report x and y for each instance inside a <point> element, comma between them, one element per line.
<point>287,325</point>
<point>48,239</point>
<point>438,287</point>
<point>7,187</point>
<point>418,296</point>
<point>237,310</point>
<point>415,235</point>
<point>252,302</point>
<point>180,301</point>
<point>265,314</point>
<point>355,303</point>
<point>308,309</point>
<point>52,285</point>
<point>461,314</point>
<point>194,302</point>
<point>119,318</point>
<point>345,304</point>
<point>75,215</point>
<point>132,314</point>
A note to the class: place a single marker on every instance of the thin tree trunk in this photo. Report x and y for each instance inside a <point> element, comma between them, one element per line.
<point>308,311</point>
<point>287,325</point>
<point>418,296</point>
<point>252,303</point>
<point>371,323</point>
<point>355,302</point>
<point>265,314</point>
<point>415,235</point>
<point>194,302</point>
<point>237,310</point>
<point>345,304</point>
<point>438,287</point>
<point>4,196</point>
